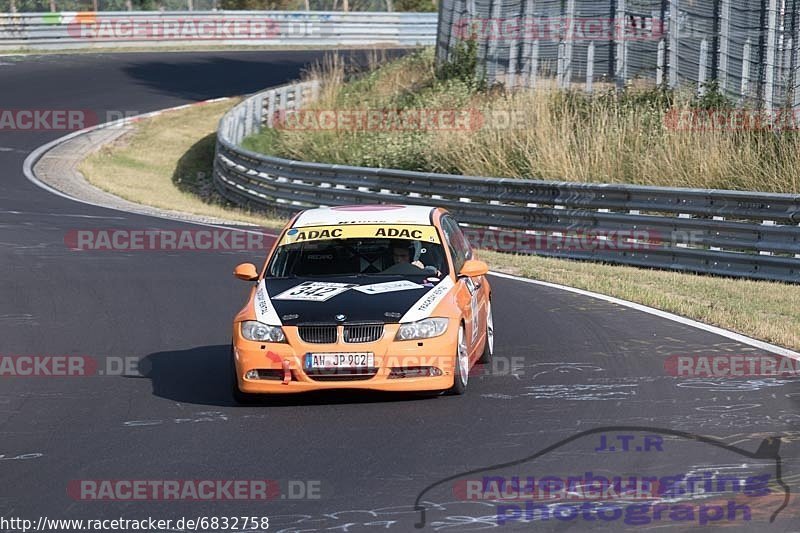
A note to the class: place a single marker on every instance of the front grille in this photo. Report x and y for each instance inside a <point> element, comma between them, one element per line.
<point>317,333</point>
<point>342,374</point>
<point>362,332</point>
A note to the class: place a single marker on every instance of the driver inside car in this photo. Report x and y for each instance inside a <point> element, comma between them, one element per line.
<point>401,253</point>
<point>403,263</point>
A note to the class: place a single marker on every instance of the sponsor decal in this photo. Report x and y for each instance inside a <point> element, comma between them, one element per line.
<point>314,291</point>
<point>361,231</point>
<point>265,312</point>
<point>423,307</point>
<point>389,286</point>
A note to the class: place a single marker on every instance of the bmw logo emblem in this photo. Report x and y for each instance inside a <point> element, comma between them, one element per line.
<point>340,318</point>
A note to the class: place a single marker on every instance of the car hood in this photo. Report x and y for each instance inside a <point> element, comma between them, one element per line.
<point>330,300</point>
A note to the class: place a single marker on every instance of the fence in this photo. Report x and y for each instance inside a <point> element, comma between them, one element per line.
<point>750,47</point>
<point>744,234</point>
<point>264,28</point>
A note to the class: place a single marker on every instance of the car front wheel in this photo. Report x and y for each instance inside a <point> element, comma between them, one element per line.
<point>461,368</point>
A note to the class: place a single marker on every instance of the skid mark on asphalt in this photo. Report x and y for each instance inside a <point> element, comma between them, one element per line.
<point>723,385</point>
<point>19,319</point>
<point>20,457</point>
<point>541,369</point>
<point>201,417</point>
<point>574,392</point>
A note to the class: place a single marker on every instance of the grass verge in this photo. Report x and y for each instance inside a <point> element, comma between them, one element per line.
<point>166,162</point>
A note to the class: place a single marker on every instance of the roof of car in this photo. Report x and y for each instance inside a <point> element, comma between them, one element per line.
<point>365,214</point>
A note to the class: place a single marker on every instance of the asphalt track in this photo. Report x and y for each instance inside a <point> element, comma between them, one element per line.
<point>586,363</point>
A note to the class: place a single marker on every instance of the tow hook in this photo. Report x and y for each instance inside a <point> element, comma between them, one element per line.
<point>287,372</point>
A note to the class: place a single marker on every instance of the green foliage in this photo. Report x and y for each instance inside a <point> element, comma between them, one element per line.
<point>463,65</point>
<point>712,97</point>
<point>416,6</point>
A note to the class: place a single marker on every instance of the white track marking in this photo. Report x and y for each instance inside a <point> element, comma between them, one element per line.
<point>663,314</point>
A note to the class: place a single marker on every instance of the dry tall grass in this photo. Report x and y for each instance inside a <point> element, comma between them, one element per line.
<point>555,135</point>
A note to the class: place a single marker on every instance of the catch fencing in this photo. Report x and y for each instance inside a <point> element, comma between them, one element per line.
<point>748,47</point>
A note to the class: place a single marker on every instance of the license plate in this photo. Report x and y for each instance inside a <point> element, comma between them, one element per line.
<point>340,360</point>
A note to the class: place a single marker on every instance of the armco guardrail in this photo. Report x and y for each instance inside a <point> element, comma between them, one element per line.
<point>737,233</point>
<point>45,31</point>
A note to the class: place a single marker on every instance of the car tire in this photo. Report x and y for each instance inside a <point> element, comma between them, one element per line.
<point>243,398</point>
<point>461,368</point>
<point>488,344</point>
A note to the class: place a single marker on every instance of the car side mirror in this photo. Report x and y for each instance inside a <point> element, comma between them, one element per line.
<point>246,272</point>
<point>473,268</point>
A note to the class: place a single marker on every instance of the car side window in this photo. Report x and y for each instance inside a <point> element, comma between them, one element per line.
<point>459,246</point>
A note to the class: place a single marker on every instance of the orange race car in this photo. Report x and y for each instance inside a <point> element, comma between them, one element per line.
<point>380,297</point>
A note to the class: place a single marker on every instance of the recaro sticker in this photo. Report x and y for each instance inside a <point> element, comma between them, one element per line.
<point>361,231</point>
<point>265,312</point>
<point>423,307</point>
<point>389,286</point>
<point>314,291</point>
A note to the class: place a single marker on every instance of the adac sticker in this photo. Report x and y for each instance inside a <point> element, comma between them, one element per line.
<point>314,291</point>
<point>361,231</point>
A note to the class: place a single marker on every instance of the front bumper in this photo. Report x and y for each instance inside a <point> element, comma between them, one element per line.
<point>282,360</point>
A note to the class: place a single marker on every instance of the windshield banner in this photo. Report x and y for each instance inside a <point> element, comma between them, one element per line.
<point>361,231</point>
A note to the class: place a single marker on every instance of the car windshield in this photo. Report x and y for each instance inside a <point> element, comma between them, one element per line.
<point>357,257</point>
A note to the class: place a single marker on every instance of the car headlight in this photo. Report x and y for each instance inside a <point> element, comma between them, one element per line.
<point>423,329</point>
<point>258,331</point>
